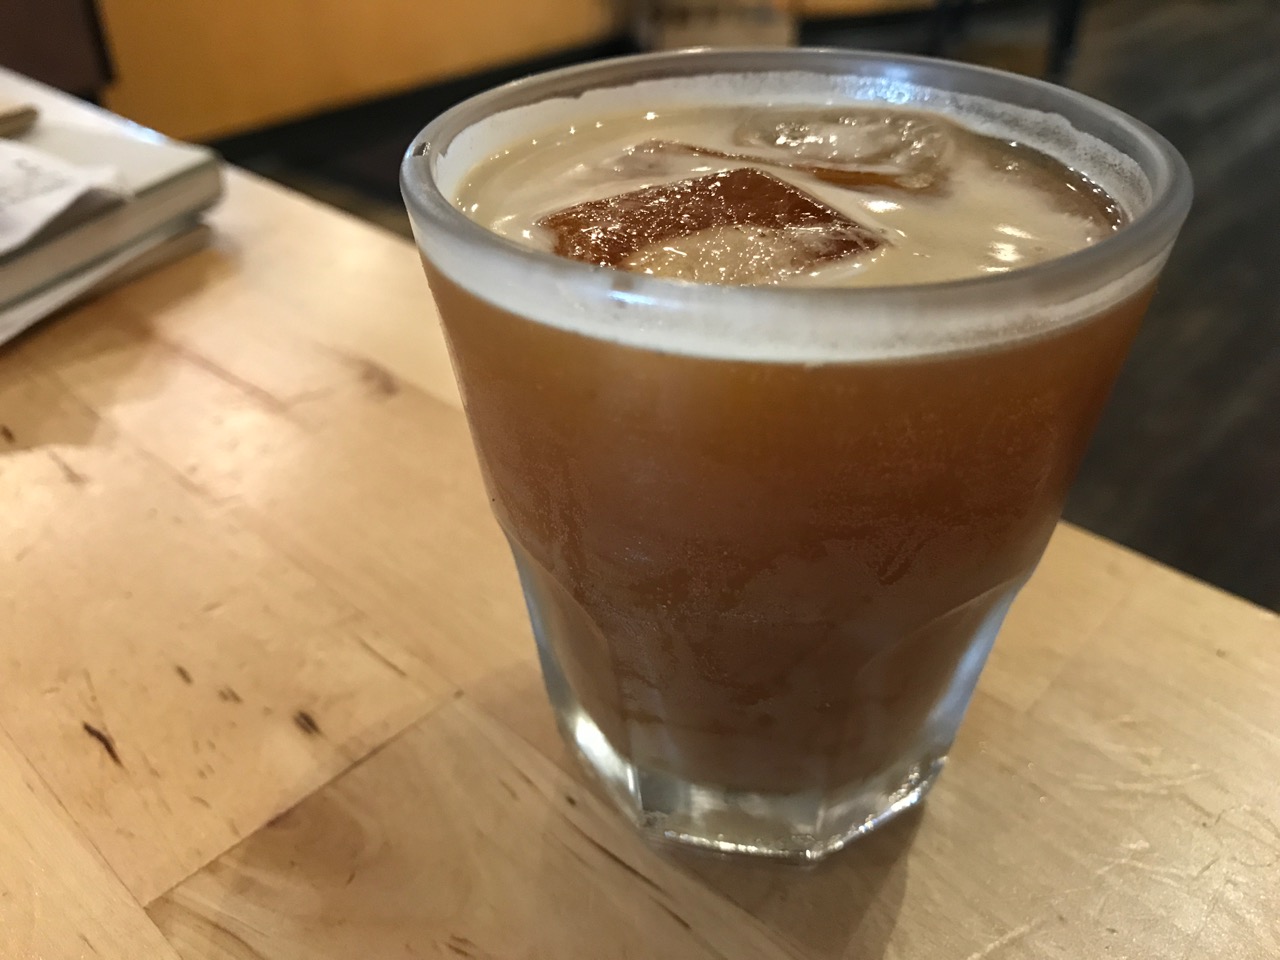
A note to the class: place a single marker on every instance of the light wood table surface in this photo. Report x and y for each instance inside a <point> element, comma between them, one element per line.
<point>267,691</point>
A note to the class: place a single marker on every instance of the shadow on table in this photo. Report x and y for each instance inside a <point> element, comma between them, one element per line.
<point>59,376</point>
<point>845,906</point>
<point>471,834</point>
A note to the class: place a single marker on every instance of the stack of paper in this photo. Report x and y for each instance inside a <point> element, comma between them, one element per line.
<point>87,199</point>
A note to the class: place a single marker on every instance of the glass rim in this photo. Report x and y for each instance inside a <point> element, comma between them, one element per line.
<point>1151,229</point>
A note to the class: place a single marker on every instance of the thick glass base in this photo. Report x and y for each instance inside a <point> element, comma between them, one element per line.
<point>804,826</point>
<point>709,784</point>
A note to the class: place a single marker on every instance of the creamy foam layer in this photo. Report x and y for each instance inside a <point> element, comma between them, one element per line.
<point>787,324</point>
<point>996,207</point>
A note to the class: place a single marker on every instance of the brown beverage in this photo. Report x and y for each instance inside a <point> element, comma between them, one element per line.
<point>763,570</point>
<point>764,576</point>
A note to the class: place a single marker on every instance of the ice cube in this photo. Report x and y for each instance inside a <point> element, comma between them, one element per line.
<point>847,175</point>
<point>741,255</point>
<point>904,149</point>
<point>744,213</point>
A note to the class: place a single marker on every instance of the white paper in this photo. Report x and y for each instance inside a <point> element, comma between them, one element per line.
<point>36,187</point>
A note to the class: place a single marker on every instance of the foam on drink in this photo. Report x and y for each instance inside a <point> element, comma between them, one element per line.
<point>772,322</point>
<point>941,201</point>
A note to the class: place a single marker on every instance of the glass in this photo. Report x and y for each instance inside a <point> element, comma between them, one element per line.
<point>767,535</point>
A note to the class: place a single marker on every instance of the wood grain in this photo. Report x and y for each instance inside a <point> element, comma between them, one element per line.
<point>456,838</point>
<point>293,299</point>
<point>58,900</point>
<point>1104,797</point>
<point>160,652</point>
<point>265,652</point>
<point>159,655</point>
<point>1109,806</point>
<point>251,416</point>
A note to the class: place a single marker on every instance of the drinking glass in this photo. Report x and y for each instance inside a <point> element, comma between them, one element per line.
<point>767,535</point>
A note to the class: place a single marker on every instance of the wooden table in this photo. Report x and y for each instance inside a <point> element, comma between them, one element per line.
<point>267,689</point>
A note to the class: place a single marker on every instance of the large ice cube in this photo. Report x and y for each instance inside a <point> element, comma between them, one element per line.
<point>653,152</point>
<point>910,150</point>
<point>739,226</point>
<point>741,255</point>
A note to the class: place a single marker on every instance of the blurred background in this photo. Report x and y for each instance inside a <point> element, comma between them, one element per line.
<point>323,96</point>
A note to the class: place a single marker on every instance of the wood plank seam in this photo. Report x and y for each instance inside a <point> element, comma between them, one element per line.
<point>97,728</point>
<point>52,794</point>
<point>285,811</point>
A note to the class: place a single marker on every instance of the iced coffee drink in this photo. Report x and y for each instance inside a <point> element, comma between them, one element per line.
<point>778,379</point>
